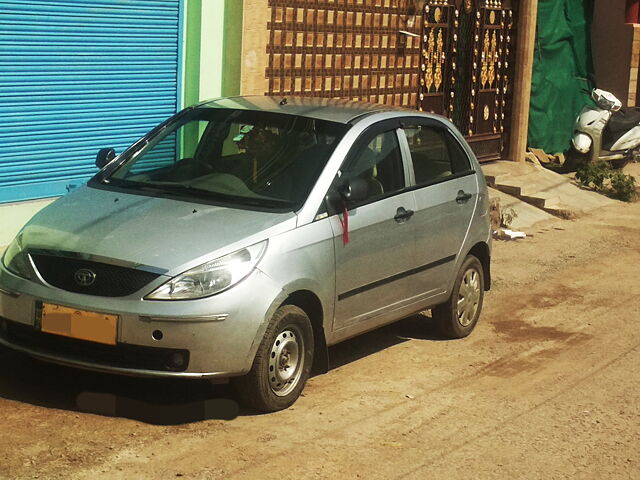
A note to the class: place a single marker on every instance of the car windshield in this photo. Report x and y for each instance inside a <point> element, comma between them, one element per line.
<point>238,157</point>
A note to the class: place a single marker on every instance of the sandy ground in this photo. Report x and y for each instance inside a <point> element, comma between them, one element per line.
<point>548,386</point>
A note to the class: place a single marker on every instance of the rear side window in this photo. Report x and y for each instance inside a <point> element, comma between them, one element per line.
<point>435,154</point>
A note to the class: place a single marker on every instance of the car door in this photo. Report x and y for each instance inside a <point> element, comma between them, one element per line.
<point>446,191</point>
<point>372,264</point>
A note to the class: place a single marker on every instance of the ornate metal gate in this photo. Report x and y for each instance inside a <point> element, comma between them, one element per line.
<point>466,68</point>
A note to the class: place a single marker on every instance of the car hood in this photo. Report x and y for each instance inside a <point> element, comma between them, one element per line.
<point>158,232</point>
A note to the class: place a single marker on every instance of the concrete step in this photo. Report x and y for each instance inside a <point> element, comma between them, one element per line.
<point>510,186</point>
<point>541,199</point>
<point>529,190</point>
<point>492,180</point>
<point>526,215</point>
<point>522,186</point>
<point>563,211</point>
<point>549,191</point>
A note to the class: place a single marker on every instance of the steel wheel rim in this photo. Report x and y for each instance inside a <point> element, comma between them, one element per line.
<point>468,297</point>
<point>286,361</point>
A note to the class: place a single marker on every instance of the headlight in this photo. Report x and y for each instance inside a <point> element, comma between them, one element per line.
<point>211,277</point>
<point>16,259</point>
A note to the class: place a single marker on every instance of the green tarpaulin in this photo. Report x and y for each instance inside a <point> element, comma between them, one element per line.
<point>561,65</point>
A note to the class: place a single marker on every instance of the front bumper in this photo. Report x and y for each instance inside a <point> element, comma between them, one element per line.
<point>218,335</point>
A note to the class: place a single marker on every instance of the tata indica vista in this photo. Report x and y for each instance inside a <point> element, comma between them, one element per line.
<point>243,236</point>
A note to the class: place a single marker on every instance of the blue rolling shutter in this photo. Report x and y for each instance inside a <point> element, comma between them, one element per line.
<point>76,76</point>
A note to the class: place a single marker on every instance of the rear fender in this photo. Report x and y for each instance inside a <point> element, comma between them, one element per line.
<point>628,141</point>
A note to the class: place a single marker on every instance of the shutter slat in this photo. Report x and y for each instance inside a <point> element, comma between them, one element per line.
<point>77,76</point>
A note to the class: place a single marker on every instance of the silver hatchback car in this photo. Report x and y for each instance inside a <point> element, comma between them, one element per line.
<point>243,236</point>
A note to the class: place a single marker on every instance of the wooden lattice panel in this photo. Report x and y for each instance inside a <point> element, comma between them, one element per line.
<point>352,49</point>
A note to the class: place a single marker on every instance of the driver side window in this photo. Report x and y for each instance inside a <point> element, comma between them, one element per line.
<point>379,163</point>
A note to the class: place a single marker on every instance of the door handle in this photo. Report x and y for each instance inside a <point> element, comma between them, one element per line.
<point>403,215</point>
<point>463,197</point>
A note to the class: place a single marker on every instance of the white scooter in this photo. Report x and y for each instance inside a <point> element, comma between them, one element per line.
<point>607,132</point>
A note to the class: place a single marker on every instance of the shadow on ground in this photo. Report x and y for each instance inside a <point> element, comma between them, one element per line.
<point>164,401</point>
<point>416,327</point>
<point>154,401</point>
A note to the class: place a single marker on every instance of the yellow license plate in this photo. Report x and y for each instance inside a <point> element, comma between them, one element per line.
<point>74,323</point>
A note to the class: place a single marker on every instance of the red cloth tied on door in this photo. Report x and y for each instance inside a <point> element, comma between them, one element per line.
<point>344,221</point>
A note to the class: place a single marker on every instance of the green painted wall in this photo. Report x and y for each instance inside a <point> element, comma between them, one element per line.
<point>212,49</point>
<point>232,47</point>
<point>191,52</point>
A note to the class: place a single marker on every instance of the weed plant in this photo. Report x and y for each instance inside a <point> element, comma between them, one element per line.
<point>600,177</point>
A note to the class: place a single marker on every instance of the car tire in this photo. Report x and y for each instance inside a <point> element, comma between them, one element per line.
<point>282,363</point>
<point>458,316</point>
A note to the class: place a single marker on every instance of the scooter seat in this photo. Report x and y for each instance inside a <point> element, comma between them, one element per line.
<point>624,119</point>
<point>620,123</point>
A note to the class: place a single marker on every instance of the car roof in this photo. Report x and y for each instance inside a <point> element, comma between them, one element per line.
<point>329,109</point>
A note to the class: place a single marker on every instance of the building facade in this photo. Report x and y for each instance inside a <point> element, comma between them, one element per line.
<point>451,57</point>
<point>616,48</point>
<point>80,76</point>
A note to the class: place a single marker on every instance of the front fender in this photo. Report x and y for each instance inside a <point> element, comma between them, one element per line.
<point>582,142</point>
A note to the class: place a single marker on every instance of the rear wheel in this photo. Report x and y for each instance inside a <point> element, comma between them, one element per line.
<point>621,162</point>
<point>458,316</point>
<point>282,364</point>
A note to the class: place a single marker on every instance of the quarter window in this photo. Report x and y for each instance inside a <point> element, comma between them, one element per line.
<point>435,154</point>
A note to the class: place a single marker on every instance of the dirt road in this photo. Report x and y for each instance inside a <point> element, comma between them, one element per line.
<point>548,386</point>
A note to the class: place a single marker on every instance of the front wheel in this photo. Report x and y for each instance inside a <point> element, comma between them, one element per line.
<point>282,364</point>
<point>574,159</point>
<point>458,316</point>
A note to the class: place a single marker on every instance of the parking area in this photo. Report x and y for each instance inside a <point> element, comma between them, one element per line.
<point>546,387</point>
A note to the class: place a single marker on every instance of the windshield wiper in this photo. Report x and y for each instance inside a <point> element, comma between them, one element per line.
<point>259,202</point>
<point>155,186</point>
<point>169,187</point>
<point>177,185</point>
<point>187,190</point>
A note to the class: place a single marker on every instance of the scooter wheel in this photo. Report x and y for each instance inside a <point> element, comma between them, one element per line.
<point>620,163</point>
<point>574,159</point>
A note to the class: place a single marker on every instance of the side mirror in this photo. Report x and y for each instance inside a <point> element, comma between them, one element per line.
<point>350,191</point>
<point>354,190</point>
<point>105,155</point>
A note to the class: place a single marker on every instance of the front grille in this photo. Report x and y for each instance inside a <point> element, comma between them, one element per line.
<point>109,280</point>
<point>121,355</point>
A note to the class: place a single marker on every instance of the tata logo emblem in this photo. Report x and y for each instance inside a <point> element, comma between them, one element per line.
<point>84,277</point>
